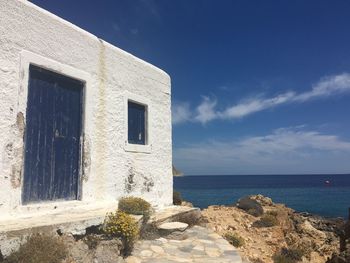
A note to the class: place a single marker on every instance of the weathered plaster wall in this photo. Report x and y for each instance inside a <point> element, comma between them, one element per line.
<point>29,34</point>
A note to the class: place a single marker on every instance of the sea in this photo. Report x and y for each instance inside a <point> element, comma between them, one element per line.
<point>327,195</point>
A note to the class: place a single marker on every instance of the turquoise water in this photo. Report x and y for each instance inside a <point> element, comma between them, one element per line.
<point>304,193</point>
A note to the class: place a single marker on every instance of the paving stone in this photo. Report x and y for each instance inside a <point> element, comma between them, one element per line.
<point>212,252</point>
<point>157,249</point>
<point>186,249</point>
<point>132,259</point>
<point>204,241</point>
<point>162,240</point>
<point>146,253</point>
<point>179,259</point>
<point>197,245</point>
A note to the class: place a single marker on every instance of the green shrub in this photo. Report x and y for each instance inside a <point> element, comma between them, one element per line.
<point>234,239</point>
<point>135,206</point>
<point>177,198</point>
<point>39,248</point>
<point>288,255</point>
<point>123,226</point>
<point>266,221</point>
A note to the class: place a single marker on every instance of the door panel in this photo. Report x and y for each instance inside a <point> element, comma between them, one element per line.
<point>52,139</point>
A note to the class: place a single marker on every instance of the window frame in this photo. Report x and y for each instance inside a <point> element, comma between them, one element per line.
<point>131,147</point>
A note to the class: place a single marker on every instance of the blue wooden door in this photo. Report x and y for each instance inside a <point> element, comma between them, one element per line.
<point>52,138</point>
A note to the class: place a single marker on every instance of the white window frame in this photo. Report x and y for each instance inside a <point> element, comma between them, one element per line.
<point>141,148</point>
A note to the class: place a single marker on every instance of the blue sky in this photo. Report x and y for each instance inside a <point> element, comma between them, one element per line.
<point>258,87</point>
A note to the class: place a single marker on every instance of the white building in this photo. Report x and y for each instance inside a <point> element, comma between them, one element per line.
<point>82,124</point>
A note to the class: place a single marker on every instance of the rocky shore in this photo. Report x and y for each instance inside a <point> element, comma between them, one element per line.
<point>270,232</point>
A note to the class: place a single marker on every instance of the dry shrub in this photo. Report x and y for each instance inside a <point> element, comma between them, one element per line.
<point>234,239</point>
<point>177,198</point>
<point>267,220</point>
<point>288,255</point>
<point>39,248</point>
<point>135,206</point>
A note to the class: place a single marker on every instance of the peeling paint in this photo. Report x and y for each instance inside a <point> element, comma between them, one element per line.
<point>130,183</point>
<point>86,159</point>
<point>20,123</point>
<point>9,150</point>
<point>148,184</point>
<point>16,176</point>
<point>14,152</point>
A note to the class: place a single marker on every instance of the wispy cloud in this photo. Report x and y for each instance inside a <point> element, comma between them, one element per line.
<point>205,112</point>
<point>293,149</point>
<point>181,112</point>
<point>326,87</point>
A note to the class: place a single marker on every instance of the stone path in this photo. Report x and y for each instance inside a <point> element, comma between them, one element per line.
<point>196,244</point>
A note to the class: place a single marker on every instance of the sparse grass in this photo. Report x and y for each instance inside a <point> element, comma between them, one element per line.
<point>39,248</point>
<point>288,255</point>
<point>177,198</point>
<point>234,239</point>
<point>91,241</point>
<point>272,212</point>
<point>266,220</point>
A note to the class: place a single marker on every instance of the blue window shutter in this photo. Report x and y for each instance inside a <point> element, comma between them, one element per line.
<point>136,123</point>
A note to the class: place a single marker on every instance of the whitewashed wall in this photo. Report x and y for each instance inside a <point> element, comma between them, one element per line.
<point>29,34</point>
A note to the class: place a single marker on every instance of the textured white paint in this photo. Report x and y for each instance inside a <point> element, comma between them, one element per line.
<point>29,34</point>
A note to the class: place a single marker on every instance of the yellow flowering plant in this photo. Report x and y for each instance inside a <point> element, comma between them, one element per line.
<point>123,226</point>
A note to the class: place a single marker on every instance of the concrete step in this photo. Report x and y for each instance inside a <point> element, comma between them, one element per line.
<point>170,227</point>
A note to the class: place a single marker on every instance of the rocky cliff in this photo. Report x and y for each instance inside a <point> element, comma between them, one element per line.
<point>275,233</point>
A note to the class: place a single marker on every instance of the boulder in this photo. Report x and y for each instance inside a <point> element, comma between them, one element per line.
<point>250,205</point>
<point>263,200</point>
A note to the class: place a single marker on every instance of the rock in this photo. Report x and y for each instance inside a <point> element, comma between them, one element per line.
<point>343,257</point>
<point>172,227</point>
<point>314,235</point>
<point>107,251</point>
<point>307,228</point>
<point>250,205</point>
<point>185,203</point>
<point>263,200</point>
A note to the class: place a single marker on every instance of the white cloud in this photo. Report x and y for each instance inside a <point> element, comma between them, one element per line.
<point>180,113</point>
<point>285,150</point>
<point>254,105</point>
<point>328,86</point>
<point>205,112</point>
